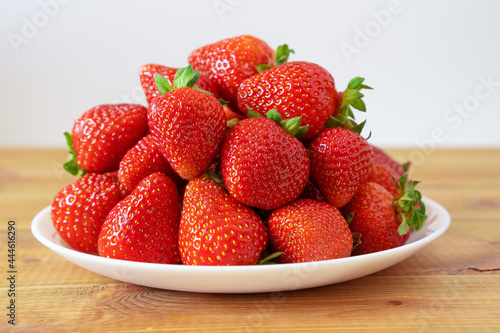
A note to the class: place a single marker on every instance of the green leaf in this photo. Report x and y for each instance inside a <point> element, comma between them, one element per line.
<point>163,84</point>
<point>333,122</point>
<point>267,260</point>
<point>355,83</point>
<point>291,126</point>
<point>206,92</point>
<point>403,227</point>
<point>350,95</point>
<point>186,77</point>
<point>282,54</point>
<point>409,204</point>
<point>231,122</point>
<point>274,116</point>
<point>71,166</point>
<point>358,128</point>
<point>263,67</point>
<point>253,114</point>
<point>359,105</point>
<point>302,131</point>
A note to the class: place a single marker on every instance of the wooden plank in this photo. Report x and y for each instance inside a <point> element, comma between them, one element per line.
<point>371,303</point>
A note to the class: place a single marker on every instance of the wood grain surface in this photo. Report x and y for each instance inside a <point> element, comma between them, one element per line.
<point>451,285</point>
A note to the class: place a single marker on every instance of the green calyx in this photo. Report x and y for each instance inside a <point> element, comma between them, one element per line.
<point>184,77</point>
<point>71,166</point>
<point>281,57</point>
<point>290,126</point>
<point>409,205</point>
<point>351,98</point>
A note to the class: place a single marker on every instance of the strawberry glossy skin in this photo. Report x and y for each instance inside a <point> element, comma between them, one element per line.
<point>188,127</point>
<point>80,208</point>
<point>230,61</point>
<point>217,230</point>
<point>375,218</point>
<point>144,226</point>
<point>294,89</point>
<point>261,165</point>
<point>142,160</point>
<point>103,134</point>
<point>147,78</point>
<point>309,230</point>
<point>341,161</point>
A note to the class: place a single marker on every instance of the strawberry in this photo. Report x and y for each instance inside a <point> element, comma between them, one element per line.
<point>263,166</point>
<point>102,135</point>
<point>230,61</point>
<point>148,72</point>
<point>217,230</point>
<point>341,161</point>
<point>144,226</point>
<point>296,89</point>
<point>188,125</point>
<point>79,209</point>
<point>383,220</point>
<point>142,160</point>
<point>383,175</point>
<point>381,157</point>
<point>309,230</point>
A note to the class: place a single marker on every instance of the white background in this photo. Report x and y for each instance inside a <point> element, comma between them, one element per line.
<point>429,62</point>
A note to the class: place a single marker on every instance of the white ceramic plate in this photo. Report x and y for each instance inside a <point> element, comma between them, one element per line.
<point>244,279</point>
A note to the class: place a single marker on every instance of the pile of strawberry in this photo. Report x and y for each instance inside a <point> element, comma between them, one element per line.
<point>240,158</point>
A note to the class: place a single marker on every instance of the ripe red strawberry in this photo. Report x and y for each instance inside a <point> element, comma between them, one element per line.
<point>217,230</point>
<point>303,89</point>
<point>230,61</point>
<point>102,135</point>
<point>294,89</point>
<point>147,77</point>
<point>309,230</point>
<point>341,161</point>
<point>382,157</point>
<point>144,226</point>
<point>383,220</point>
<point>262,166</point>
<point>79,209</point>
<point>188,125</point>
<point>383,175</point>
<point>142,160</point>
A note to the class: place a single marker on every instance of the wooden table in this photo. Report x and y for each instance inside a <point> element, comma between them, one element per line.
<point>452,285</point>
